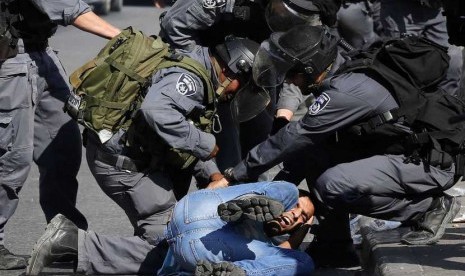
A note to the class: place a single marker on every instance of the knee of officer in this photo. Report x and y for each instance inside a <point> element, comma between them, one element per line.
<point>149,198</point>
<point>334,187</point>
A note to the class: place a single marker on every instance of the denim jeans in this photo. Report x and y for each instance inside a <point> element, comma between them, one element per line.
<point>196,232</point>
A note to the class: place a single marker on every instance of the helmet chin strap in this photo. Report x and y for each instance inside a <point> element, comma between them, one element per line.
<point>219,91</point>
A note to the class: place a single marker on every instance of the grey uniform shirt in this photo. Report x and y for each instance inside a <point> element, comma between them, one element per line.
<point>345,99</point>
<point>174,94</point>
<point>62,12</point>
<point>185,18</point>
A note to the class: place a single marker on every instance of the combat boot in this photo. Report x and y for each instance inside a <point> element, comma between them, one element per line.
<point>9,260</point>
<point>60,240</point>
<point>333,254</point>
<point>430,228</point>
<point>255,207</point>
<point>205,268</point>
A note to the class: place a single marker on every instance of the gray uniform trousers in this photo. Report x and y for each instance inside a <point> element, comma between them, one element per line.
<point>381,186</point>
<point>410,17</point>
<point>33,126</point>
<point>98,254</point>
<point>147,199</point>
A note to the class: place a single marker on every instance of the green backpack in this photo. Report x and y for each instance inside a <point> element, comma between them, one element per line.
<point>109,89</point>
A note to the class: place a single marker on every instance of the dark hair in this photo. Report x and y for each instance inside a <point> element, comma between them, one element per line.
<point>305,193</point>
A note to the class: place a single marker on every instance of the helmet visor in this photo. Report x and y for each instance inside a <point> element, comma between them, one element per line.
<point>281,17</point>
<point>269,67</point>
<point>248,102</point>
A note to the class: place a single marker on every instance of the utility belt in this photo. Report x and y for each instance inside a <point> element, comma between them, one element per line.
<point>32,46</point>
<point>25,46</point>
<point>427,149</point>
<point>120,162</point>
<point>418,147</point>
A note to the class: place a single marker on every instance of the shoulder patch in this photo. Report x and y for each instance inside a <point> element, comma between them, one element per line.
<point>211,4</point>
<point>186,85</point>
<point>320,103</point>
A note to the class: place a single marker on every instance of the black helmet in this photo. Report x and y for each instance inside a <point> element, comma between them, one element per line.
<point>281,15</point>
<point>304,48</point>
<point>238,53</point>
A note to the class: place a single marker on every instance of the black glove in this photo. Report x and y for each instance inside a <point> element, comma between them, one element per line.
<point>328,10</point>
<point>278,123</point>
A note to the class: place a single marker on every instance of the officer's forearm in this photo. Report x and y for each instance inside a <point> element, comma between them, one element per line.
<point>92,23</point>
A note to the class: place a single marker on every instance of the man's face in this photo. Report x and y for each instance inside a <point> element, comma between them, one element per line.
<point>288,221</point>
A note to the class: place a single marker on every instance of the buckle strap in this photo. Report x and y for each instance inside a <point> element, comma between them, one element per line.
<point>119,161</point>
<point>381,119</point>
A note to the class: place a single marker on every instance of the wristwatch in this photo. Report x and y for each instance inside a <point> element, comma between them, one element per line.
<point>228,174</point>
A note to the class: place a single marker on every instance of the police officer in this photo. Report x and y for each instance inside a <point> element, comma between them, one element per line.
<point>148,167</point>
<point>206,22</point>
<point>425,18</point>
<point>345,178</point>
<point>356,22</point>
<point>33,127</point>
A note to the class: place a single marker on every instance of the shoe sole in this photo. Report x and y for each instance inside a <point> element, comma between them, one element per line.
<point>258,208</point>
<point>51,230</point>
<point>453,211</point>
<point>205,268</point>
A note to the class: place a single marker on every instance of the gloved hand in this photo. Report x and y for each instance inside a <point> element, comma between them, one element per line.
<point>328,10</point>
<point>278,123</point>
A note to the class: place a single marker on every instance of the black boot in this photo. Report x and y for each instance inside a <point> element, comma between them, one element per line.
<point>9,260</point>
<point>430,228</point>
<point>60,240</point>
<point>335,254</point>
<point>258,208</point>
<point>205,268</point>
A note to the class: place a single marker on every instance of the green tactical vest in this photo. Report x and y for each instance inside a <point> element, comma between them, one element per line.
<point>109,89</point>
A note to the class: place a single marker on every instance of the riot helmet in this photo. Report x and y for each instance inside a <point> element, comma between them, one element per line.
<point>303,49</point>
<point>281,15</point>
<point>237,55</point>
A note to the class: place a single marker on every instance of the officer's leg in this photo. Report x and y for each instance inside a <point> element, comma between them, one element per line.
<point>382,187</point>
<point>436,30</point>
<point>57,143</point>
<point>146,200</point>
<point>99,254</point>
<point>401,17</point>
<point>16,126</point>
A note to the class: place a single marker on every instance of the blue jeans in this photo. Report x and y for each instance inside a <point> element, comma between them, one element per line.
<point>196,232</point>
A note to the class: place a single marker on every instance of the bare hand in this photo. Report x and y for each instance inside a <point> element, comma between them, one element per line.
<point>222,183</point>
